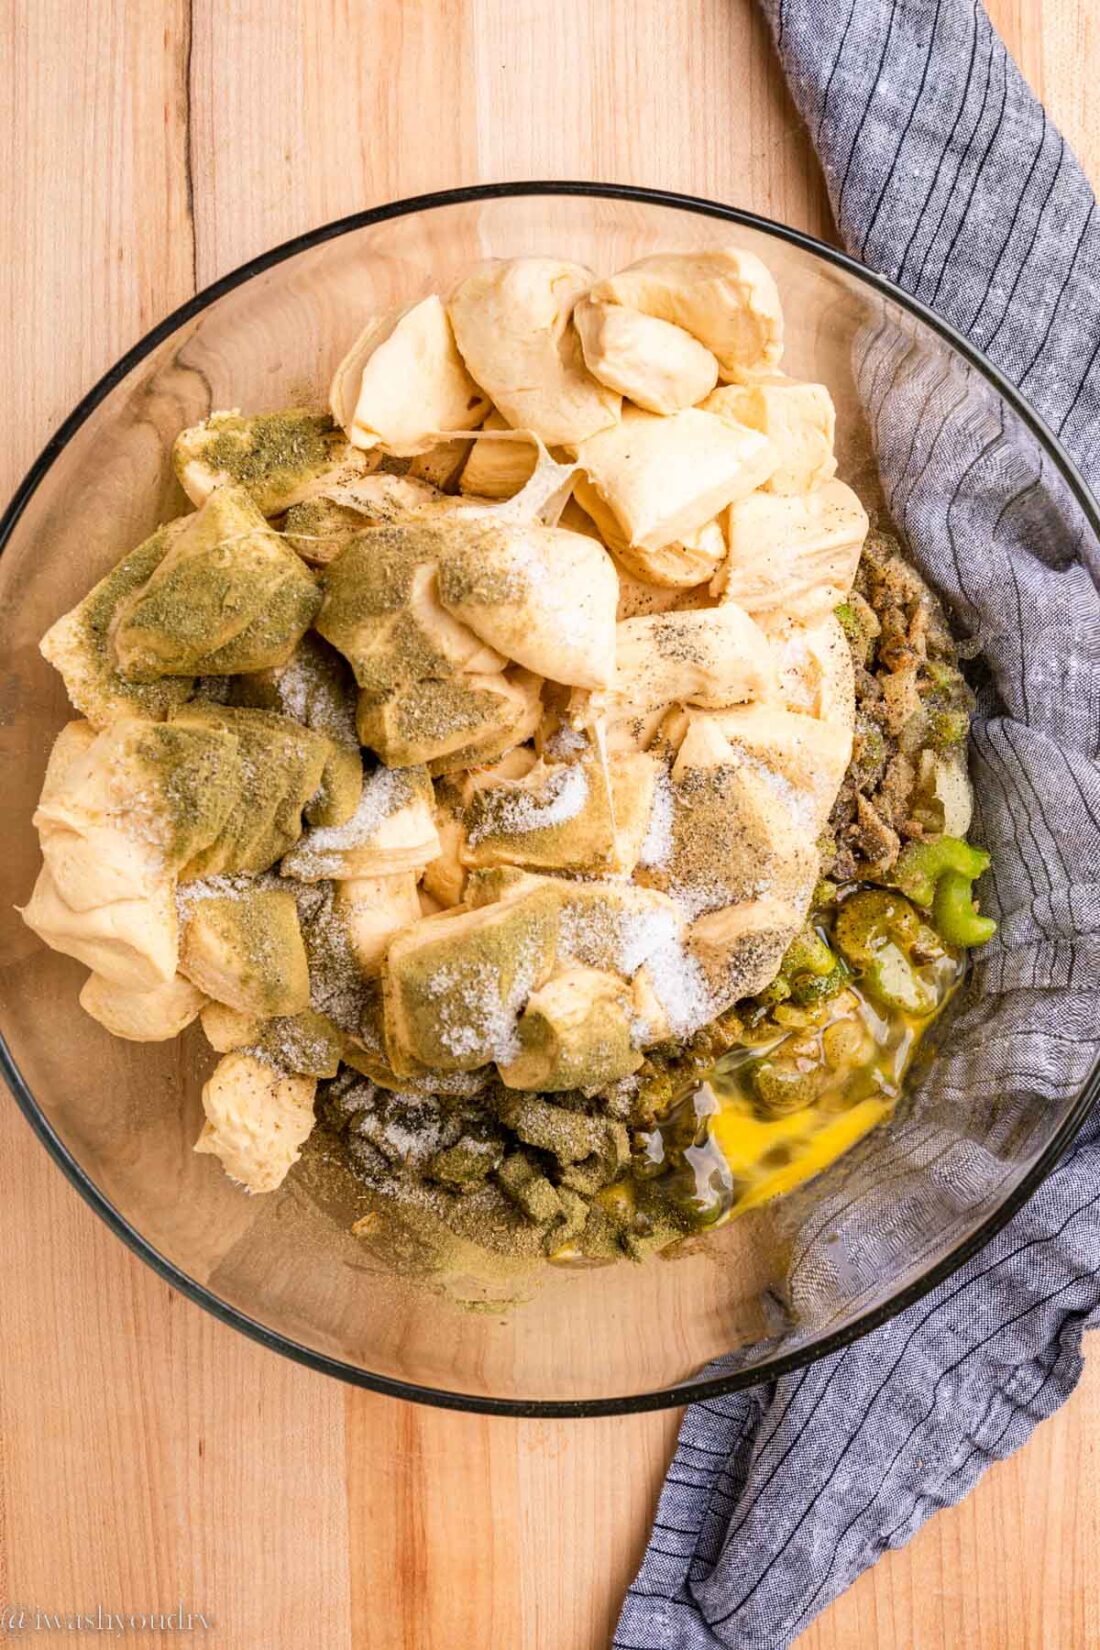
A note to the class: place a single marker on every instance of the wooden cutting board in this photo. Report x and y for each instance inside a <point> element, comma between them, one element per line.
<point>147,1454</point>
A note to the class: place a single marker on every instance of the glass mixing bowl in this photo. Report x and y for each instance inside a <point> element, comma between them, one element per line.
<point>120,1118</point>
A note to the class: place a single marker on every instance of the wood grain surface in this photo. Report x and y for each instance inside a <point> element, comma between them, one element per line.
<point>147,1454</point>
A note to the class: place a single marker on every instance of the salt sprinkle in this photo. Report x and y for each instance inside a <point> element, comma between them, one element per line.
<point>657,842</point>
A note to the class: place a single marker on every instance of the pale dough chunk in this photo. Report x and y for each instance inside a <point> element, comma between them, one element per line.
<point>392,830</point>
<point>659,367</point>
<point>373,910</point>
<point>245,949</point>
<point>134,943</point>
<point>444,876</point>
<point>683,566</point>
<point>542,596</point>
<point>227,597</point>
<point>498,469</point>
<point>733,832</point>
<point>227,1028</point>
<point>557,816</point>
<point>511,319</point>
<point>403,381</point>
<point>798,419</point>
<point>633,776</point>
<point>79,646</point>
<point>575,1032</point>
<point>816,674</point>
<point>279,459</point>
<point>639,597</point>
<point>382,609</point>
<point>612,925</point>
<point>441,465</point>
<point>652,580</point>
<point>122,813</point>
<point>794,557</point>
<point>809,754</point>
<point>661,479</point>
<point>740,947</point>
<point>454,985</point>
<point>711,657</point>
<point>142,1016</point>
<point>726,298</point>
<point>257,1119</point>
<point>451,724</point>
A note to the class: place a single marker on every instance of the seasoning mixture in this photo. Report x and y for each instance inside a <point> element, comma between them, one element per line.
<point>537,777</point>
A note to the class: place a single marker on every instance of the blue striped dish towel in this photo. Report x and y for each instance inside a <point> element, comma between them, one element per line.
<point>946,175</point>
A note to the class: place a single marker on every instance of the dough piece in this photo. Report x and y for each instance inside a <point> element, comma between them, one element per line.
<point>228,596</point>
<point>392,830</point>
<point>227,1028</point>
<point>133,943</point>
<point>634,777</point>
<point>455,985</point>
<point>740,947</point>
<point>280,766</point>
<point>142,1016</point>
<point>809,754</point>
<point>244,948</point>
<point>382,610</point>
<point>78,644</point>
<point>712,657</point>
<point>279,459</point>
<point>733,833</point>
<point>497,469</point>
<point>257,1119</point>
<point>442,464</point>
<point>659,367</point>
<point>661,479</point>
<point>798,419</point>
<point>451,724</point>
<point>575,1033</point>
<point>793,557</point>
<point>318,529</point>
<point>121,814</point>
<point>542,596</point>
<point>614,926</point>
<point>686,565</point>
<point>374,909</point>
<point>558,816</point>
<point>815,669</point>
<point>511,321</point>
<point>403,381</point>
<point>316,689</point>
<point>445,876</point>
<point>726,298</point>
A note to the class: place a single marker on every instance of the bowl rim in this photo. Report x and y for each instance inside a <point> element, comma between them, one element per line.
<point>683,1393</point>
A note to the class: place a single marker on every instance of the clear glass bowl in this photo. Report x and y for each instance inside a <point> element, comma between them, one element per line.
<point>120,1118</point>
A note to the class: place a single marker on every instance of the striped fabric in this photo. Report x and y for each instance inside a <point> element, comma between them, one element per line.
<point>945,174</point>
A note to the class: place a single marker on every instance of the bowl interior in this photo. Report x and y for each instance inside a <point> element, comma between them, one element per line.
<point>127,1114</point>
